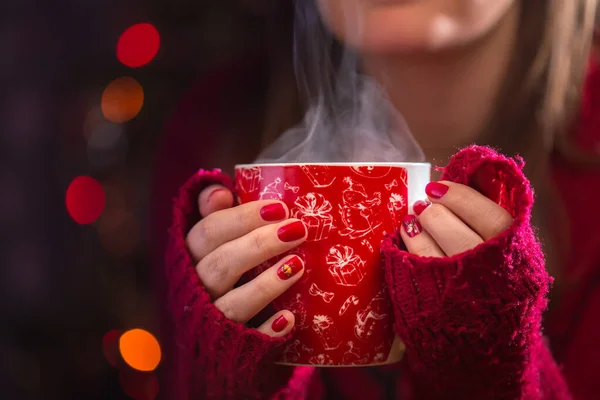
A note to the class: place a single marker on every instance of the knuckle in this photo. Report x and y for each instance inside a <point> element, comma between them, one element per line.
<point>500,223</point>
<point>263,289</point>
<point>465,243</point>
<point>435,211</point>
<point>259,242</point>
<point>208,230</point>
<point>243,215</point>
<point>215,265</point>
<point>228,309</point>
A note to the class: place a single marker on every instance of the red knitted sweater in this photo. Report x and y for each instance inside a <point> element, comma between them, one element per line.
<point>471,323</point>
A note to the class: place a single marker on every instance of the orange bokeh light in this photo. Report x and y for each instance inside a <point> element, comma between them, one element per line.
<point>140,350</point>
<point>122,100</point>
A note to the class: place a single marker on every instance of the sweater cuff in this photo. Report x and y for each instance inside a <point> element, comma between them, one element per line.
<point>226,354</point>
<point>480,309</point>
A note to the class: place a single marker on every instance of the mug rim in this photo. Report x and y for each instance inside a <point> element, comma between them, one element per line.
<point>338,164</point>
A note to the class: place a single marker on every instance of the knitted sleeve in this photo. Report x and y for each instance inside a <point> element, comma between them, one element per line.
<point>215,358</point>
<point>471,323</point>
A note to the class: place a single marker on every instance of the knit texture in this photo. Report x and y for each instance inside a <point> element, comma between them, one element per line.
<point>217,358</point>
<point>471,323</point>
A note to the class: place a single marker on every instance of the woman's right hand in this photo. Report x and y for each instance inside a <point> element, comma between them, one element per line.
<point>229,241</point>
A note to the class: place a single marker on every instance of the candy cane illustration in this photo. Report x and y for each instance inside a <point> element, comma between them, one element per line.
<point>351,300</point>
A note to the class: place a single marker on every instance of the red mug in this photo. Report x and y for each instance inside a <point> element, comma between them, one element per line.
<point>342,309</point>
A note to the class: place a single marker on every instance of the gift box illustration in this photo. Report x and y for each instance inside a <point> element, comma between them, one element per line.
<point>250,179</point>
<point>315,212</point>
<point>347,268</point>
<point>320,176</point>
<point>325,328</point>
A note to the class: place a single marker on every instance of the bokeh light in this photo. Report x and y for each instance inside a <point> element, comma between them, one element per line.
<point>122,100</point>
<point>107,145</point>
<point>140,350</point>
<point>85,200</point>
<point>110,347</point>
<point>139,385</point>
<point>138,45</point>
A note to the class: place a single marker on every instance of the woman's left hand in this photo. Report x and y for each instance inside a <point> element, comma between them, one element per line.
<point>456,218</point>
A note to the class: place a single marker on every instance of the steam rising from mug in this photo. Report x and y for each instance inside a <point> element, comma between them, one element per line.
<point>349,118</point>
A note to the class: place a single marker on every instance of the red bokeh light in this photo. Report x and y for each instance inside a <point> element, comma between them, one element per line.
<point>139,385</point>
<point>138,45</point>
<point>85,200</point>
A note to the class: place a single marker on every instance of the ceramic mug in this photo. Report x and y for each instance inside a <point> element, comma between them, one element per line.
<point>342,309</point>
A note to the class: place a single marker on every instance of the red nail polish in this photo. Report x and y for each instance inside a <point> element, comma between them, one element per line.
<point>290,268</point>
<point>291,232</point>
<point>420,206</point>
<point>411,225</point>
<point>210,196</point>
<point>273,212</point>
<point>279,324</point>
<point>436,190</point>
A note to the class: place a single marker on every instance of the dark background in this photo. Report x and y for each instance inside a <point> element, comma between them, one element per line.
<point>64,285</point>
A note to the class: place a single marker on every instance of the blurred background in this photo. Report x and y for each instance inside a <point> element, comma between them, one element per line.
<point>86,90</point>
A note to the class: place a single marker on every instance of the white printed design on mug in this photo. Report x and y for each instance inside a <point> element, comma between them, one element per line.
<point>379,358</point>
<point>395,205</point>
<point>321,359</point>
<point>250,179</point>
<point>293,189</point>
<point>296,307</point>
<point>324,328</point>
<point>347,268</point>
<point>371,171</point>
<point>367,318</point>
<point>315,212</point>
<point>391,185</point>
<point>320,176</point>
<point>359,211</point>
<point>291,353</point>
<point>271,192</point>
<point>315,291</point>
<point>307,349</point>
<point>351,300</point>
<point>366,243</point>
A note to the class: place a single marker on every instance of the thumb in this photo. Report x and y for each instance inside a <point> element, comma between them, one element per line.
<point>214,198</point>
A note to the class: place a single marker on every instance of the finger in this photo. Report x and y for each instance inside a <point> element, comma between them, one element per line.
<point>278,325</point>
<point>222,268</point>
<point>226,225</point>
<point>418,241</point>
<point>214,198</point>
<point>451,234</point>
<point>483,215</point>
<point>244,302</point>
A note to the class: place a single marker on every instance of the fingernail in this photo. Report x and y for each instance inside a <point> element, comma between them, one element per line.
<point>273,212</point>
<point>436,190</point>
<point>291,232</point>
<point>411,225</point>
<point>279,324</point>
<point>210,196</point>
<point>290,268</point>
<point>420,206</point>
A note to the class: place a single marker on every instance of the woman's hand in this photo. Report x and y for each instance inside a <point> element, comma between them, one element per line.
<point>230,241</point>
<point>456,218</point>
